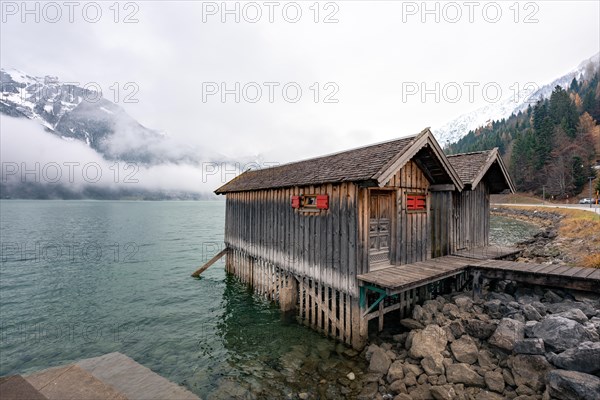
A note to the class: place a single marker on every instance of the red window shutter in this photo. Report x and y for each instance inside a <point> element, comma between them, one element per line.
<point>323,201</point>
<point>416,203</point>
<point>295,201</point>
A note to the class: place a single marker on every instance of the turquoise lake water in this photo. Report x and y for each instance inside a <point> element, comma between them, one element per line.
<point>83,278</point>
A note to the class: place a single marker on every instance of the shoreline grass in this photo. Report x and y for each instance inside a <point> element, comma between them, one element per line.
<point>578,233</point>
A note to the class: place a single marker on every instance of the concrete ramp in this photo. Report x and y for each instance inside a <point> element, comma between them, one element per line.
<point>113,376</point>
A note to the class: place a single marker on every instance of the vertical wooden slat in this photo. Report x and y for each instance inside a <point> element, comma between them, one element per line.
<point>344,265</point>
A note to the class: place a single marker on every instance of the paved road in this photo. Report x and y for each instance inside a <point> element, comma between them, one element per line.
<point>585,207</point>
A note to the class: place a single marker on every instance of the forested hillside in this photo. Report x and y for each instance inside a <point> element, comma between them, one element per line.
<point>553,144</point>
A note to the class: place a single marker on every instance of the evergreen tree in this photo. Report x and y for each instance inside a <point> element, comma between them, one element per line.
<point>563,111</point>
<point>574,87</point>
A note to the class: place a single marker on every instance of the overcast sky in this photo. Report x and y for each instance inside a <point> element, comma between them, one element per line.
<point>369,57</point>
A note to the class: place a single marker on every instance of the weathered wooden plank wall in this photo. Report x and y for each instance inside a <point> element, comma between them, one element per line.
<point>412,229</point>
<point>471,220</point>
<point>442,224</point>
<point>323,245</point>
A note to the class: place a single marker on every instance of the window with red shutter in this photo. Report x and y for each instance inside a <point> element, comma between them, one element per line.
<point>295,201</point>
<point>311,202</point>
<point>322,201</point>
<point>416,202</point>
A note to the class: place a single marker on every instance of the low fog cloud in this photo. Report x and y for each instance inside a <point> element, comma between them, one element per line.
<point>31,155</point>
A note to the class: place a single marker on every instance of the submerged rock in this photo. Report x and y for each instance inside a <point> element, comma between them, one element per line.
<point>369,391</point>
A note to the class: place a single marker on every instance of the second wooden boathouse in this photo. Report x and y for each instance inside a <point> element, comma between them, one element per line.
<point>310,233</point>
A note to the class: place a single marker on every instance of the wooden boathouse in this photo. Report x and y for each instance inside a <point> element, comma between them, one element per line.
<point>322,235</point>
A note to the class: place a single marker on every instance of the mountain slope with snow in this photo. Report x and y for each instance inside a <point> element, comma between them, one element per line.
<point>75,113</point>
<point>454,130</point>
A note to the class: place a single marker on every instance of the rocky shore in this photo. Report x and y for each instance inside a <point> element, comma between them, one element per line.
<point>514,343</point>
<point>565,238</point>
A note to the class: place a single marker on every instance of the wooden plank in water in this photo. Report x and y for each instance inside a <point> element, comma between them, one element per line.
<point>209,263</point>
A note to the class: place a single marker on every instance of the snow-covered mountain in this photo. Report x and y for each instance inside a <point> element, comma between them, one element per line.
<point>75,113</point>
<point>454,130</point>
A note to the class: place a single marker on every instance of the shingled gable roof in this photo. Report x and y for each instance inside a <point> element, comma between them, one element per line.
<point>371,163</point>
<point>472,168</point>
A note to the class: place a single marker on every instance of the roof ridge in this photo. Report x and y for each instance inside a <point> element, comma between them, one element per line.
<point>337,152</point>
<point>472,152</point>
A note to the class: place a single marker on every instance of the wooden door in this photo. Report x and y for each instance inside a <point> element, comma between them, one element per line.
<point>380,224</point>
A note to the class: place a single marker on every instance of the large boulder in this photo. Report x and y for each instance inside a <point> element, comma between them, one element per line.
<point>572,385</point>
<point>575,314</point>
<point>420,392</point>
<point>479,329</point>
<point>485,395</point>
<point>530,313</point>
<point>495,308</point>
<point>395,371</point>
<point>494,381</point>
<point>451,310</point>
<point>410,323</point>
<point>464,303</point>
<point>463,373</point>
<point>560,333</point>
<point>430,341</point>
<point>530,346</point>
<point>464,350</point>
<point>583,358</point>
<point>380,361</point>
<point>433,364</point>
<point>509,332</point>
<point>568,305</point>
<point>529,370</point>
<point>444,392</point>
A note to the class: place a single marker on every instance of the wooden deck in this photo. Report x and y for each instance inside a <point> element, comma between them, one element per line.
<point>487,252</point>
<point>578,278</point>
<point>112,376</point>
<point>399,278</point>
